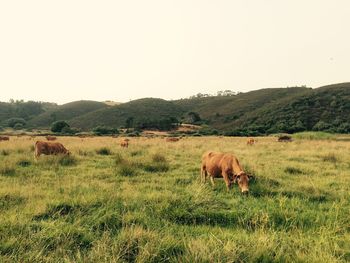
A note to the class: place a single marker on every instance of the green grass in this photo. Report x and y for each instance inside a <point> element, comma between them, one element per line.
<point>314,136</point>
<point>151,207</point>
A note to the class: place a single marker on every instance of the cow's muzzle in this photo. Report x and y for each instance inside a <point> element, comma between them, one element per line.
<point>245,192</point>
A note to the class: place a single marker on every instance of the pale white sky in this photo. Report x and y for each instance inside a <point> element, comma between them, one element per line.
<point>68,50</point>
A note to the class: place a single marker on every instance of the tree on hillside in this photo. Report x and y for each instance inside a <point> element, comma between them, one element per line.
<point>193,117</point>
<point>58,126</point>
<point>13,121</point>
<point>129,123</point>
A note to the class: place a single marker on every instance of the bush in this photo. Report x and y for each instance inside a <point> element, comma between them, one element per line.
<point>14,121</point>
<point>69,130</point>
<point>58,126</point>
<point>104,130</point>
<point>18,126</point>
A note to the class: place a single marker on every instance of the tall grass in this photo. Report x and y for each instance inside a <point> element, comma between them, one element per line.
<point>147,204</point>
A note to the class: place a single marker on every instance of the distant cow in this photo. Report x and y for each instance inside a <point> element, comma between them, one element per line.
<point>251,141</point>
<point>125,143</point>
<point>49,148</point>
<point>4,138</point>
<point>50,138</point>
<point>224,165</point>
<point>172,139</point>
<point>284,138</point>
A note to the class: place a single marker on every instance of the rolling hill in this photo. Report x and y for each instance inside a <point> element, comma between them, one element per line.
<point>65,112</point>
<point>136,111</point>
<point>256,112</point>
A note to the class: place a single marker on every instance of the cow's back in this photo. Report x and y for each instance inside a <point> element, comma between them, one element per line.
<point>211,161</point>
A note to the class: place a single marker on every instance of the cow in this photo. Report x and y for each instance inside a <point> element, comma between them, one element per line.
<point>49,148</point>
<point>172,139</point>
<point>284,138</point>
<point>50,138</point>
<point>251,141</point>
<point>226,165</point>
<point>4,138</point>
<point>125,143</point>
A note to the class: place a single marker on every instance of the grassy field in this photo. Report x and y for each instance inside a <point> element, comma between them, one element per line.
<point>146,204</point>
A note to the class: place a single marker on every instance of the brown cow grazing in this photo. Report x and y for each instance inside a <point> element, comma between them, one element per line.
<point>284,138</point>
<point>4,138</point>
<point>50,138</point>
<point>224,165</point>
<point>49,148</point>
<point>251,141</point>
<point>172,139</point>
<point>125,143</point>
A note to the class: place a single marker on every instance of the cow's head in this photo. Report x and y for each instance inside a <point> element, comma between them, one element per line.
<point>68,153</point>
<point>242,180</point>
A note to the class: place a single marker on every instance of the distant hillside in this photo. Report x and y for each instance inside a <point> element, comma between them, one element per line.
<point>223,112</point>
<point>326,109</point>
<point>257,112</point>
<point>23,110</point>
<point>66,112</point>
<point>277,110</point>
<point>137,111</point>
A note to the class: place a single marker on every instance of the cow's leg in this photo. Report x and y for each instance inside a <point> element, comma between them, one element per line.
<point>204,174</point>
<point>36,153</point>
<point>212,181</point>
<point>227,180</point>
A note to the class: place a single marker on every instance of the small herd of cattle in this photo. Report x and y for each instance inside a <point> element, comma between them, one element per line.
<point>214,164</point>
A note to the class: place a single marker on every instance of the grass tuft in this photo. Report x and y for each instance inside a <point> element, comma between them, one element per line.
<point>104,151</point>
<point>24,163</point>
<point>67,160</point>
<point>331,157</point>
<point>293,170</point>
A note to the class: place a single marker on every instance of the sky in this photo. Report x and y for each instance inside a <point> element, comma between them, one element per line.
<point>67,50</point>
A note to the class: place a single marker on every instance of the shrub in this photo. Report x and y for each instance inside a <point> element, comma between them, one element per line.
<point>58,126</point>
<point>18,126</point>
<point>14,121</point>
<point>104,130</point>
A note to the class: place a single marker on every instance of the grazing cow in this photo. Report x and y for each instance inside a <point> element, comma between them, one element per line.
<point>49,148</point>
<point>251,141</point>
<point>224,165</point>
<point>4,138</point>
<point>125,143</point>
<point>284,138</point>
<point>50,138</point>
<point>172,139</point>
